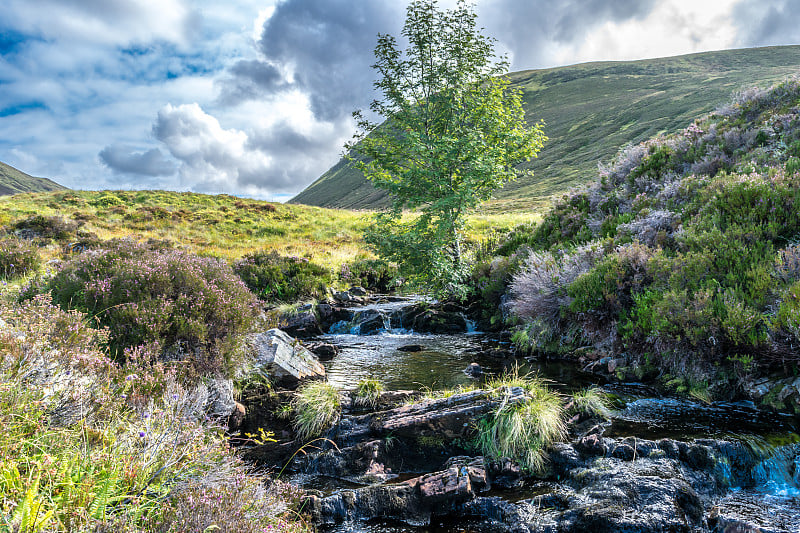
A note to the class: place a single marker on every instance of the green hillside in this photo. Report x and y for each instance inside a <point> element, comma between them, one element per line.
<point>593,109</point>
<point>13,181</point>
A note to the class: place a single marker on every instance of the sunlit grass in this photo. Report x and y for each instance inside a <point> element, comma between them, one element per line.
<point>367,392</point>
<point>317,408</point>
<point>592,401</point>
<point>522,428</point>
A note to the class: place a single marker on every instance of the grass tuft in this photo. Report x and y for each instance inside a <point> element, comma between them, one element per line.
<point>592,401</point>
<point>317,408</point>
<point>522,429</point>
<point>367,392</point>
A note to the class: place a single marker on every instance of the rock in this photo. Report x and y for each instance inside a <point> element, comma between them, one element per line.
<point>369,322</point>
<point>447,418</point>
<point>411,348</point>
<point>474,370</point>
<point>324,351</point>
<point>236,417</point>
<point>219,401</point>
<point>358,291</point>
<point>452,484</point>
<point>303,324</point>
<point>614,364</point>
<point>280,356</point>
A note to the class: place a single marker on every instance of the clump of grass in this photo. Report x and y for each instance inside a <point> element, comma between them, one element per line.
<point>367,392</point>
<point>523,427</point>
<point>317,408</point>
<point>592,401</point>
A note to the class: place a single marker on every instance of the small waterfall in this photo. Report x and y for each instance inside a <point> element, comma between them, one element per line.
<point>778,474</point>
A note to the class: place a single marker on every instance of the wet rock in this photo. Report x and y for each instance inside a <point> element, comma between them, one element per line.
<point>475,467</point>
<point>506,474</point>
<point>303,324</point>
<point>451,485</point>
<point>281,357</point>
<point>324,351</point>
<point>424,319</point>
<point>474,370</point>
<point>362,463</point>
<point>358,291</point>
<point>370,322</point>
<point>411,348</point>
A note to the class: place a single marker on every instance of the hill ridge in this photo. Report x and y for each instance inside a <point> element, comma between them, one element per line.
<point>14,181</point>
<point>591,111</point>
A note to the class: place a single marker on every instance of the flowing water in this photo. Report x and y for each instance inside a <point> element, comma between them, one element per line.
<point>442,359</point>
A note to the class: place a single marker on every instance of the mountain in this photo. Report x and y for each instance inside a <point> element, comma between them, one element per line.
<point>591,110</point>
<point>13,181</point>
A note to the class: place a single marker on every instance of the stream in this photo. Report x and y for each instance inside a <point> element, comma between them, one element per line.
<point>771,498</point>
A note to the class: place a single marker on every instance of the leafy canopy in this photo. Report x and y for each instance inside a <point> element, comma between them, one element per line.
<point>453,132</point>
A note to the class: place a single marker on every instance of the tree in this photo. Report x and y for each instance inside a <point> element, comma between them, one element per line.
<point>453,132</point>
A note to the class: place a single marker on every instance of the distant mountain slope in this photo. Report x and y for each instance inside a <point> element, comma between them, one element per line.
<point>591,110</point>
<point>13,181</point>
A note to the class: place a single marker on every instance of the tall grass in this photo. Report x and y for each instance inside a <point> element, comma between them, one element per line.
<point>317,408</point>
<point>592,401</point>
<point>523,427</point>
<point>367,392</point>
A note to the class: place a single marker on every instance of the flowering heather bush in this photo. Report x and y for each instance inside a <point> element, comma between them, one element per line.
<point>698,231</point>
<point>120,462</point>
<point>191,306</point>
<point>17,258</point>
<point>275,278</point>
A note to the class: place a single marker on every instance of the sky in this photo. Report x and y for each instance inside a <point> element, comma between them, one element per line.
<point>254,97</point>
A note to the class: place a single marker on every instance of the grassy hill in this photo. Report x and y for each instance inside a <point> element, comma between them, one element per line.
<point>593,109</point>
<point>223,226</point>
<point>13,181</point>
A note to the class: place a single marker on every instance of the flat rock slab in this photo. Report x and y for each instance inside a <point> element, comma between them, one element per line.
<point>448,418</point>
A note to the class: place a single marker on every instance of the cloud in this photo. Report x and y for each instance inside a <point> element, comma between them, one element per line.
<point>115,22</point>
<point>124,160</point>
<point>322,47</point>
<point>767,22</point>
<point>532,29</point>
<point>267,160</point>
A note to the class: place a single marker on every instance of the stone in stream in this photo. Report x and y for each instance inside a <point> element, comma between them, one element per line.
<point>411,348</point>
<point>324,351</point>
<point>473,370</point>
<point>303,324</point>
<point>283,358</point>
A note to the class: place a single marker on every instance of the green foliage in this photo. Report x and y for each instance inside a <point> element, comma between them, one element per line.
<point>367,392</point>
<point>193,307</point>
<point>522,429</point>
<point>317,408</point>
<point>372,274</point>
<point>275,278</point>
<point>454,131</point>
<point>593,402</point>
<point>698,259</point>
<point>17,258</point>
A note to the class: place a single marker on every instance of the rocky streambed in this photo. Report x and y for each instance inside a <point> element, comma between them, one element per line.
<point>407,462</point>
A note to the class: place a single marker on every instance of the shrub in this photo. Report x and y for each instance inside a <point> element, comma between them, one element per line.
<point>273,277</point>
<point>372,274</point>
<point>539,290</point>
<point>52,227</point>
<point>317,408</point>
<point>17,258</point>
<point>524,429</point>
<point>191,306</point>
<point>367,392</point>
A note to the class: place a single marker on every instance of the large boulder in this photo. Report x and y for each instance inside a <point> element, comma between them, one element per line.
<point>283,358</point>
<point>303,324</point>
